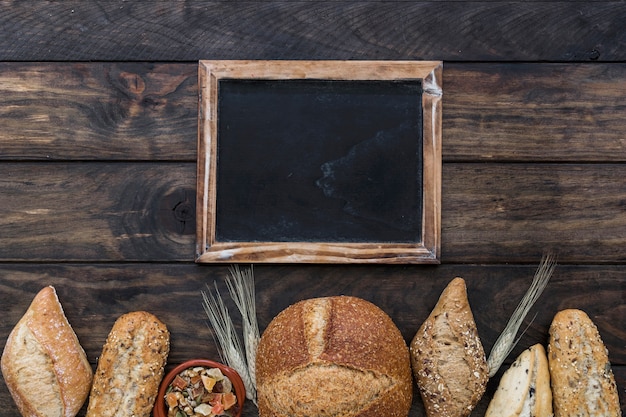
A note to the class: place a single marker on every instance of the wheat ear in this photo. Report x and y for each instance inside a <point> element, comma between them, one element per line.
<point>224,331</point>
<point>507,341</point>
<point>241,287</point>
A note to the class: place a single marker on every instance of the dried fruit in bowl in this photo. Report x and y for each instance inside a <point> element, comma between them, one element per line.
<point>201,392</point>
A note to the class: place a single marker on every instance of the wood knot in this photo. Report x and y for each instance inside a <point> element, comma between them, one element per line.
<point>133,82</point>
<point>594,55</point>
<point>184,211</point>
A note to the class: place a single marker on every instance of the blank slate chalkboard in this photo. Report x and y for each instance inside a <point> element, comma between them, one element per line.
<point>319,162</point>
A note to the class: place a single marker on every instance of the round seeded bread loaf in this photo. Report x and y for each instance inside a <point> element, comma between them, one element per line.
<point>334,356</point>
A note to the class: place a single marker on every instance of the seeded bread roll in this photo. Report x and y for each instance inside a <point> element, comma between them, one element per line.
<point>582,381</point>
<point>448,359</point>
<point>333,356</point>
<point>524,389</point>
<point>43,364</point>
<point>130,368</point>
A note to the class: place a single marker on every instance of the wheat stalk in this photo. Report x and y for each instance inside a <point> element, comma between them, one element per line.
<point>224,331</point>
<point>506,341</point>
<point>241,287</point>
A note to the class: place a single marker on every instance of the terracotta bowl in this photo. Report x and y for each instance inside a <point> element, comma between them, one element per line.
<point>160,408</point>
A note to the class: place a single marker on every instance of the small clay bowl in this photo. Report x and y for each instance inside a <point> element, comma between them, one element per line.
<point>160,408</point>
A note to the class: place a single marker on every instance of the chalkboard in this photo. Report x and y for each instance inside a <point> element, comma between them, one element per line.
<point>319,162</point>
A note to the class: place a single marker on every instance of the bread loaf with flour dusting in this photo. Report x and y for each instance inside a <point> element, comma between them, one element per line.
<point>333,356</point>
<point>43,364</point>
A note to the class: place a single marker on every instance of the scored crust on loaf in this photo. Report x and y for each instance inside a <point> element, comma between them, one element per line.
<point>44,366</point>
<point>130,367</point>
<point>448,359</point>
<point>582,379</point>
<point>335,357</point>
<point>524,389</point>
<point>35,386</point>
<point>315,326</point>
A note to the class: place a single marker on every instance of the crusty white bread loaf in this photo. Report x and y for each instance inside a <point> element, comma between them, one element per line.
<point>130,368</point>
<point>334,356</point>
<point>448,359</point>
<point>524,389</point>
<point>43,364</point>
<point>582,380</point>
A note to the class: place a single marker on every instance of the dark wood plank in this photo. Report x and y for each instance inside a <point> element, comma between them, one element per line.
<point>193,30</point>
<point>534,112</point>
<point>93,296</point>
<point>75,111</point>
<point>513,212</point>
<point>145,111</point>
<point>492,213</point>
<point>97,211</point>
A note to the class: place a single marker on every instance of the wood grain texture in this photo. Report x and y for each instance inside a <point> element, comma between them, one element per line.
<point>193,30</point>
<point>406,293</point>
<point>73,111</point>
<point>88,211</point>
<point>93,296</point>
<point>98,131</point>
<point>522,210</point>
<point>144,111</point>
<point>103,212</point>
<point>534,112</point>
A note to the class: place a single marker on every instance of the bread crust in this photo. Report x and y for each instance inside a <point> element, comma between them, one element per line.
<point>333,356</point>
<point>543,391</point>
<point>524,388</point>
<point>582,380</point>
<point>44,338</point>
<point>448,359</point>
<point>130,367</point>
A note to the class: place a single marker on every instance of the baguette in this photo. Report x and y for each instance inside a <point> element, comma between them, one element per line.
<point>43,364</point>
<point>448,359</point>
<point>130,368</point>
<point>333,357</point>
<point>582,381</point>
<point>524,389</point>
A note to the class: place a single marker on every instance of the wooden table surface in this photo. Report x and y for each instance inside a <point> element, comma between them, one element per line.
<point>98,133</point>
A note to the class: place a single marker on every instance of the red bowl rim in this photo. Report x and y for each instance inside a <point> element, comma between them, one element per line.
<point>240,391</point>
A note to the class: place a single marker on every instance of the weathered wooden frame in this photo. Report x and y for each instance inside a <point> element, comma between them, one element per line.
<point>427,251</point>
